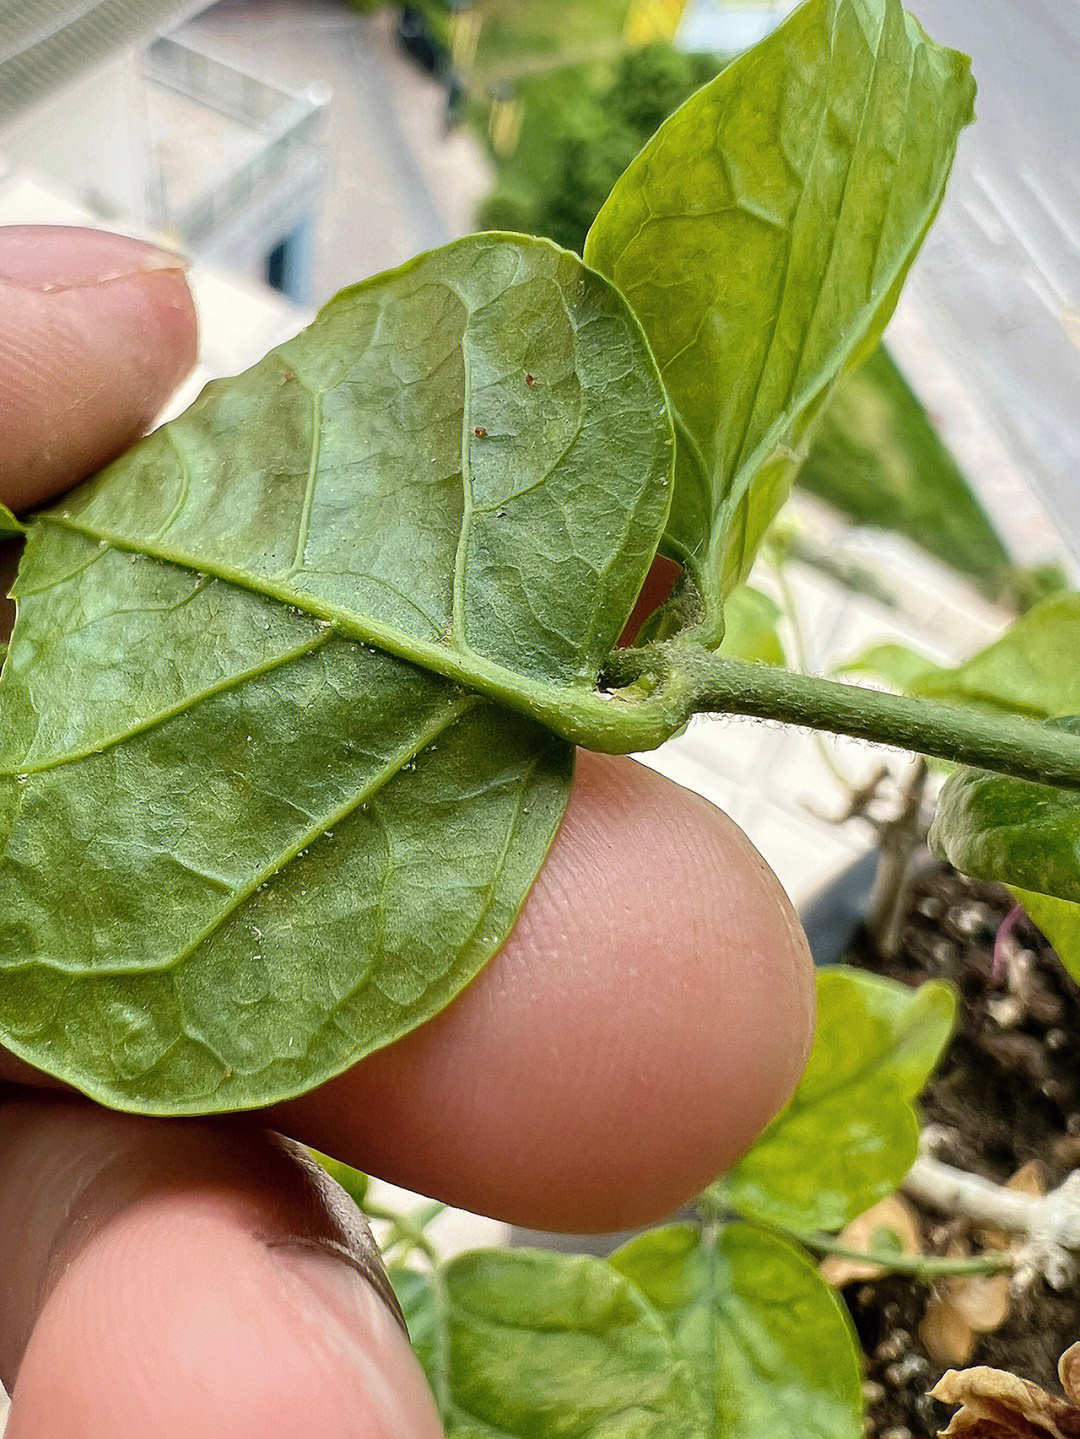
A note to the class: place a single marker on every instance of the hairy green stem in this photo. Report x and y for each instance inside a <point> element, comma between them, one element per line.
<point>691,680</point>
<point>917,1266</point>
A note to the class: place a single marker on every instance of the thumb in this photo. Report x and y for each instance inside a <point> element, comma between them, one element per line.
<point>96,331</point>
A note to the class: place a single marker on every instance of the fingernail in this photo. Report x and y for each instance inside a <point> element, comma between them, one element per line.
<point>337,1272</point>
<point>49,258</point>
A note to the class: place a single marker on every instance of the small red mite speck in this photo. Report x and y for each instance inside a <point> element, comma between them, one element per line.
<point>480,432</point>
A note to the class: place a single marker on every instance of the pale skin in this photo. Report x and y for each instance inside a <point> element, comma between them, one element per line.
<point>648,1014</point>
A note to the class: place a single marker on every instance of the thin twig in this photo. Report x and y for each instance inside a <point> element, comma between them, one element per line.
<point>918,1266</point>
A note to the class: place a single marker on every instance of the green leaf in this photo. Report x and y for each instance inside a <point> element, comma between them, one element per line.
<point>1059,921</point>
<point>9,525</point>
<point>877,457</point>
<point>899,666</point>
<point>464,462</point>
<point>769,1344</point>
<point>353,1181</point>
<point>521,1344</point>
<point>750,627</point>
<point>1028,835</point>
<point>1019,673</point>
<point>762,237</point>
<point>253,828</point>
<point>849,1133</point>
<point>241,851</point>
<point>1022,672</point>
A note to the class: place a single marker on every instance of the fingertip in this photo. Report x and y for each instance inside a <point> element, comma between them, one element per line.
<point>97,332</point>
<point>648,1015</point>
<point>175,1323</point>
<point>189,1281</point>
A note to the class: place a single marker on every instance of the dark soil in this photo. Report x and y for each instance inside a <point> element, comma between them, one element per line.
<point>1007,1091</point>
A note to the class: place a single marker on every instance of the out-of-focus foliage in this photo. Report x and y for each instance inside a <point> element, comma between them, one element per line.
<point>581,127</point>
<point>526,36</point>
<point>850,1132</point>
<point>878,458</point>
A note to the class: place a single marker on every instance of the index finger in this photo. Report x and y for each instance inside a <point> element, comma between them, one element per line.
<point>96,331</point>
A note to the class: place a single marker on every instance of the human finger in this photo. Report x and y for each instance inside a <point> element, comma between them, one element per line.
<point>96,331</point>
<point>649,1013</point>
<point>191,1281</point>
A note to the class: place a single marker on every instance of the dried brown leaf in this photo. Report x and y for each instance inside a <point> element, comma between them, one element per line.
<point>1069,1373</point>
<point>982,1299</point>
<point>945,1334</point>
<point>1029,1179</point>
<point>998,1405</point>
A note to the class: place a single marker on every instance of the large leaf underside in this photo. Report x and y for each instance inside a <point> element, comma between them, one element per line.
<point>464,462</point>
<point>251,851</point>
<point>262,808</point>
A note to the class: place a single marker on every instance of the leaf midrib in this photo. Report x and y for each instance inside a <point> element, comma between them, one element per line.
<point>559,704</point>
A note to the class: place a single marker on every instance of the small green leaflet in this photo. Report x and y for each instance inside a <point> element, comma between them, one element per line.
<point>901,667</point>
<point>849,1133</point>
<point>521,1344</point>
<point>750,627</point>
<point>1022,834</point>
<point>1024,671</point>
<point>1059,921</point>
<point>1021,672</point>
<point>762,237</point>
<point>9,525</point>
<point>769,1345</point>
<point>680,1335</point>
<point>517,1343</point>
<point>253,829</point>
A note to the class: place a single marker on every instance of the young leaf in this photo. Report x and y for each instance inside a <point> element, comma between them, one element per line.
<point>9,525</point>
<point>243,847</point>
<point>519,1344</point>
<point>1022,834</point>
<point>769,1345</point>
<point>898,665</point>
<point>849,1133</point>
<point>1023,671</point>
<point>1020,672</point>
<point>762,237</point>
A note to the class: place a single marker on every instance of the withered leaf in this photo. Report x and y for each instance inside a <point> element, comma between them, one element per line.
<point>995,1404</point>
